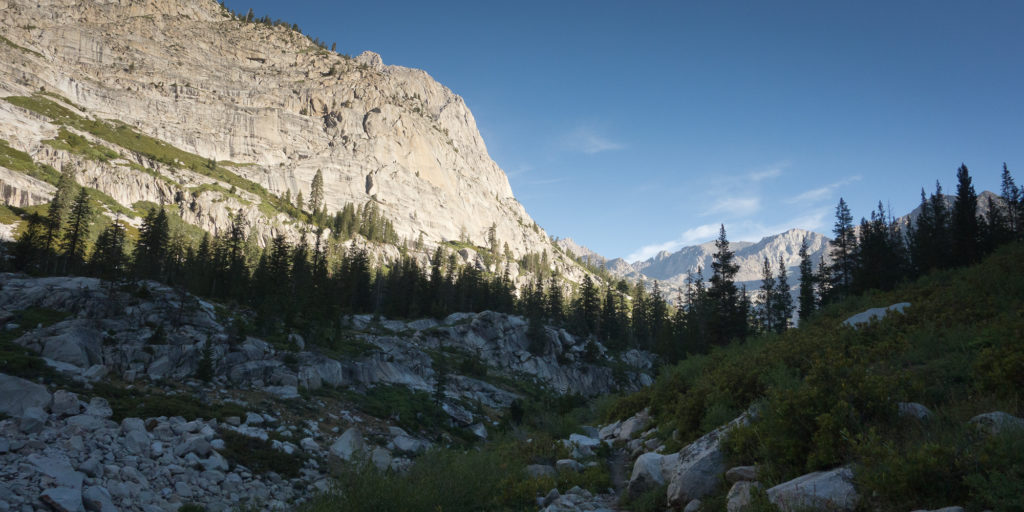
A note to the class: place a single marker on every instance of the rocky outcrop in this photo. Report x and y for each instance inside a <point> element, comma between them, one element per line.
<point>166,335</point>
<point>266,98</point>
<point>89,462</point>
<point>701,464</point>
<point>995,423</point>
<point>821,490</point>
<point>874,314</point>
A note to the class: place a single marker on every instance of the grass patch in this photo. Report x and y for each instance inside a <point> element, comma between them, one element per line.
<point>16,46</point>
<point>20,361</point>
<point>126,137</point>
<point>258,455</point>
<point>8,216</point>
<point>492,478</point>
<point>149,403</point>
<point>78,144</point>
<point>14,159</point>
<point>412,410</point>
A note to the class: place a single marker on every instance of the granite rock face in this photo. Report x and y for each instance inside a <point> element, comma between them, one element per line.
<point>267,100</point>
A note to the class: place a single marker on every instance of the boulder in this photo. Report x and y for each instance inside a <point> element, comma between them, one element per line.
<point>609,432</point>
<point>633,426</point>
<point>308,444</point>
<point>541,470</point>
<point>994,423</point>
<point>32,420</point>
<point>65,403</point>
<point>76,342</point>
<point>865,317</point>
<point>63,499</point>
<point>913,410</point>
<point>350,443</point>
<point>568,465</point>
<point>822,490</point>
<point>17,394</point>
<point>740,496</point>
<point>700,465</point>
<point>651,470</point>
<point>381,458</point>
<point>692,506</point>
<point>741,474</point>
<point>98,499</point>
<point>137,442</point>
<point>99,407</point>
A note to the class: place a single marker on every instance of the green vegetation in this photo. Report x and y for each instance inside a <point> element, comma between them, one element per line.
<point>258,455</point>
<point>492,478</point>
<point>20,361</point>
<point>140,402</point>
<point>16,46</point>
<point>124,136</point>
<point>75,143</point>
<point>15,160</point>
<point>828,394</point>
<point>412,410</point>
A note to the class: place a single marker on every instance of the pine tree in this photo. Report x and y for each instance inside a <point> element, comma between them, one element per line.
<point>767,310</point>
<point>108,257</point>
<point>316,195</point>
<point>728,319</point>
<point>151,247</point>
<point>964,226</point>
<point>555,301</point>
<point>1011,195</point>
<point>31,244</point>
<point>76,233</point>
<point>807,300</point>
<point>57,211</point>
<point>782,305</point>
<point>843,253</point>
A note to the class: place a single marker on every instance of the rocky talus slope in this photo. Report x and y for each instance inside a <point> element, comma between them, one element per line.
<point>142,397</point>
<point>264,103</point>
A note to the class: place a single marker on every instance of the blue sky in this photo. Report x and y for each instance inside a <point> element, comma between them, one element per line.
<point>640,126</point>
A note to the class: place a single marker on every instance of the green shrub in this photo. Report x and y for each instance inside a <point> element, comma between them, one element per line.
<point>258,455</point>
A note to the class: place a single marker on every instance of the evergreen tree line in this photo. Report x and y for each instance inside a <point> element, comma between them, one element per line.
<point>308,286</point>
<point>882,251</point>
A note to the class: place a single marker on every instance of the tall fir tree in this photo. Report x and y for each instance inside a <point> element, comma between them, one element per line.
<point>807,300</point>
<point>843,253</point>
<point>316,196</point>
<point>766,311</point>
<point>1011,195</point>
<point>151,247</point>
<point>76,233</point>
<point>964,225</point>
<point>728,318</point>
<point>108,259</point>
<point>782,305</point>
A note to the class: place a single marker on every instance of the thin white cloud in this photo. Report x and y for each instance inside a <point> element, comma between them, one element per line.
<point>764,175</point>
<point>748,231</point>
<point>821,193</point>
<point>520,170</point>
<point>588,140</point>
<point>735,206</point>
<point>692,236</point>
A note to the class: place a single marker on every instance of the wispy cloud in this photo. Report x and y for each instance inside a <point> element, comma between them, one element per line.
<point>734,206</point>
<point>821,193</point>
<point>518,170</point>
<point>746,230</point>
<point>692,236</point>
<point>588,140</point>
<point>772,171</point>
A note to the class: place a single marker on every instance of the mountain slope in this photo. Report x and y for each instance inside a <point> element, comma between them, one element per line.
<point>265,102</point>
